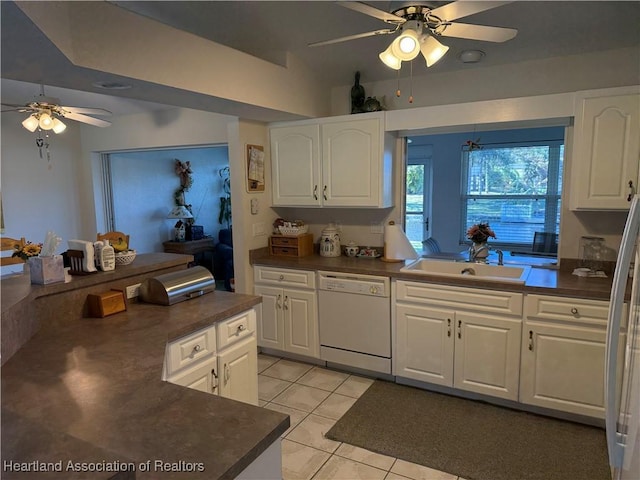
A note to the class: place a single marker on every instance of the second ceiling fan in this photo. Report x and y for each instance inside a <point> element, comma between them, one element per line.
<point>419,25</point>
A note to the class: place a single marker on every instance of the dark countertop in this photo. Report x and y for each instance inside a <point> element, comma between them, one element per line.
<point>541,280</point>
<point>91,390</point>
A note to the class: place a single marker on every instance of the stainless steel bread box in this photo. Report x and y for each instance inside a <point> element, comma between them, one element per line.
<point>175,287</point>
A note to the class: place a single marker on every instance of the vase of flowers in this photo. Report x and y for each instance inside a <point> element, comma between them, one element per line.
<point>479,234</point>
<point>27,251</point>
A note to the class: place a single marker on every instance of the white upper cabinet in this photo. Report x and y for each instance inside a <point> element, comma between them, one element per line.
<point>606,150</point>
<point>332,162</point>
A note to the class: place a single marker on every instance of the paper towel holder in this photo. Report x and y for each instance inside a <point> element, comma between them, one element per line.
<point>397,247</point>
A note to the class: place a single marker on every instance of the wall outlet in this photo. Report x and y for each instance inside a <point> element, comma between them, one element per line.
<point>377,227</point>
<point>133,290</point>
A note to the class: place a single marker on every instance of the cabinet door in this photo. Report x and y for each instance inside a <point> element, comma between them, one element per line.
<point>351,163</point>
<point>295,165</point>
<point>301,323</point>
<point>202,377</point>
<point>606,152</point>
<point>238,371</point>
<point>563,368</point>
<point>487,355</point>
<point>424,344</point>
<point>270,323</point>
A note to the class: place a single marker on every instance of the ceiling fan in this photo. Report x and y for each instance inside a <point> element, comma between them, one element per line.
<point>419,24</point>
<point>45,113</point>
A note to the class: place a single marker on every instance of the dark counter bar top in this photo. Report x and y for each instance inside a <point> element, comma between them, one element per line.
<point>88,391</point>
<point>541,280</point>
<point>97,383</point>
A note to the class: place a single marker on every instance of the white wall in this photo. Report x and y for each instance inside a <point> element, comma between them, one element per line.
<point>477,82</point>
<point>39,195</point>
<point>144,183</point>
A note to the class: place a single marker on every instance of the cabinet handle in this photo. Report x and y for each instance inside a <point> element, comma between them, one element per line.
<point>197,348</point>
<point>459,328</point>
<point>324,192</point>
<point>448,327</point>
<point>286,303</point>
<point>278,304</point>
<point>281,278</point>
<point>214,380</point>
<point>632,191</point>
<point>531,340</point>
<point>241,328</point>
<point>315,192</point>
<point>227,373</point>
<point>574,311</point>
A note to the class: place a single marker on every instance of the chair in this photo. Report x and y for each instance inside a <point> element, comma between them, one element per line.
<point>223,258</point>
<point>115,238</point>
<point>12,244</point>
<point>545,242</point>
<point>430,246</point>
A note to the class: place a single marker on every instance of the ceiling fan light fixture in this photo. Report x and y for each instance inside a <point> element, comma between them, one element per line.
<point>46,122</point>
<point>390,60</point>
<point>30,123</point>
<point>58,126</point>
<point>406,46</point>
<point>432,50</point>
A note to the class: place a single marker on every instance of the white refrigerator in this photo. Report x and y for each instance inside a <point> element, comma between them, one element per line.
<point>622,398</point>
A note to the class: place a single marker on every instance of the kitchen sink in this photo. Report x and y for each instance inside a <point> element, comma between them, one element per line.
<point>469,270</point>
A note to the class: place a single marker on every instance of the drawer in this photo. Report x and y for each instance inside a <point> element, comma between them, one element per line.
<point>284,277</point>
<point>284,241</point>
<point>285,251</point>
<point>190,349</point>
<point>460,298</point>
<point>566,309</point>
<point>236,328</point>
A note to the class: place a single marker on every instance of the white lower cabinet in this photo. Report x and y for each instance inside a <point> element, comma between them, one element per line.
<point>289,316</point>
<point>563,354</point>
<point>221,359</point>
<point>458,337</point>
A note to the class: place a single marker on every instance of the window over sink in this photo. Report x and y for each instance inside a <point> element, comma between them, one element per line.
<point>511,179</point>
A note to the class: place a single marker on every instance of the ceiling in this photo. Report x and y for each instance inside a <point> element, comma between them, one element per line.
<point>268,29</point>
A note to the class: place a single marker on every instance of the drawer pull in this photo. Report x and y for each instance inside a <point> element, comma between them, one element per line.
<point>286,303</point>
<point>278,304</point>
<point>281,277</point>
<point>531,340</point>
<point>324,192</point>
<point>197,348</point>
<point>214,380</point>
<point>315,192</point>
<point>459,328</point>
<point>632,191</point>
<point>448,327</point>
<point>574,311</point>
<point>241,328</point>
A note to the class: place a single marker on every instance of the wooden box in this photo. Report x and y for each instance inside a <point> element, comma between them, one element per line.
<point>284,245</point>
<point>106,303</point>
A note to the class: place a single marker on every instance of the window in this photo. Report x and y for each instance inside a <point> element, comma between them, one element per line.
<point>515,188</point>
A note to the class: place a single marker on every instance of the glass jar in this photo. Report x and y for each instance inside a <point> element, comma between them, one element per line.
<point>592,251</point>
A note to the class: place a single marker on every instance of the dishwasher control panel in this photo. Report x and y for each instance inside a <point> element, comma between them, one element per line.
<point>359,284</point>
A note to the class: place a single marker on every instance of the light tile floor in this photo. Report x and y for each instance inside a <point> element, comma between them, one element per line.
<point>315,398</point>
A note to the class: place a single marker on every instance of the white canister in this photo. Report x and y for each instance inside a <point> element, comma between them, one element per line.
<point>351,249</point>
<point>330,242</point>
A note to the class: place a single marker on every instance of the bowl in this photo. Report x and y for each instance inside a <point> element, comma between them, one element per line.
<point>125,258</point>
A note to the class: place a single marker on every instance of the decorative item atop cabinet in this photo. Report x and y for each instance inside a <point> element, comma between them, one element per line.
<point>605,167</point>
<point>341,161</point>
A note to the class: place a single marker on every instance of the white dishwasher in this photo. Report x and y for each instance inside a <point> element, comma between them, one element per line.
<point>355,320</point>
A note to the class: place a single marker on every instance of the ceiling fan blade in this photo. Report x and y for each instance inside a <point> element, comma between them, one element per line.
<point>385,31</point>
<point>90,111</point>
<point>96,122</point>
<point>477,32</point>
<point>459,9</point>
<point>372,12</point>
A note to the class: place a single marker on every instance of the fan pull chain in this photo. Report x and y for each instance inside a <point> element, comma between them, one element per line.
<point>411,82</point>
<point>398,90</point>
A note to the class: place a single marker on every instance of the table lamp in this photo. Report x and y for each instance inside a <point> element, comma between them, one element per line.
<point>179,212</point>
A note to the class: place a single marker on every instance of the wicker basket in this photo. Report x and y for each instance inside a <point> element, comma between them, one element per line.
<point>293,231</point>
<point>125,258</point>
